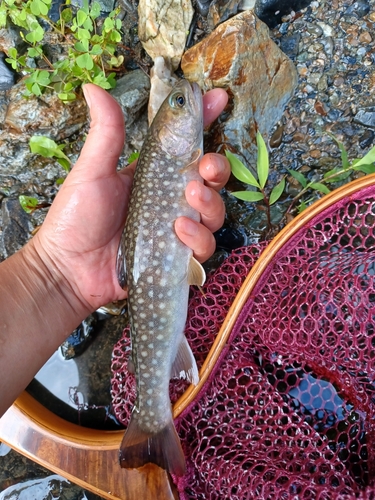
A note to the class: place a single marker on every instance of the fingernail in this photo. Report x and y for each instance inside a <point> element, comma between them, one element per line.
<point>86,93</point>
<point>189,227</point>
<point>205,194</point>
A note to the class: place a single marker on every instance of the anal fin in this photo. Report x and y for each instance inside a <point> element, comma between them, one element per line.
<point>184,366</point>
<point>139,448</point>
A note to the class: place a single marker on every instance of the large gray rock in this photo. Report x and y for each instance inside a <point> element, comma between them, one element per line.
<point>7,76</point>
<point>260,79</point>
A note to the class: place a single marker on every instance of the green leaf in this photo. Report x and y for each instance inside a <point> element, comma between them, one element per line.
<point>66,96</point>
<point>28,203</point>
<point>302,206</point>
<point>115,36</point>
<point>134,156</point>
<point>82,46</point>
<point>59,181</point>
<point>340,177</point>
<point>35,89</point>
<point>367,169</point>
<point>83,34</point>
<point>36,35</point>
<point>367,159</point>
<point>344,155</point>
<point>85,61</point>
<point>318,186</point>
<point>67,15</point>
<point>81,17</point>
<point>88,24</point>
<point>95,10</point>
<point>240,171</point>
<point>13,53</point>
<point>277,191</point>
<point>43,145</point>
<point>262,161</point>
<point>34,52</point>
<point>96,50</point>
<point>64,163</point>
<point>108,25</point>
<point>3,16</point>
<point>248,195</point>
<point>299,177</point>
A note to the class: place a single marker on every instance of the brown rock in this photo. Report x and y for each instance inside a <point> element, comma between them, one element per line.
<point>365,37</point>
<point>260,79</point>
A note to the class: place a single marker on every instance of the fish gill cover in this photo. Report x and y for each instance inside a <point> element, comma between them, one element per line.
<point>289,411</point>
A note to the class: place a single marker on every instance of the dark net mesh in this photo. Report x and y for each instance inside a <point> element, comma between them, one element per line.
<point>289,410</point>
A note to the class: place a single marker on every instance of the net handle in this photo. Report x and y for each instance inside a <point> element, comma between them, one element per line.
<point>255,274</point>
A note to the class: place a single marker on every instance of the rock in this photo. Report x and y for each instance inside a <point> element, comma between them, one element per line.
<point>55,9</point>
<point>220,11</point>
<point>46,114</point>
<point>16,226</point>
<point>272,11</point>
<point>289,44</point>
<point>230,238</point>
<point>240,57</point>
<point>163,28</point>
<point>203,6</point>
<point>53,486</point>
<point>367,139</point>
<point>10,37</point>
<point>162,80</point>
<point>77,341</point>
<point>358,9</point>
<point>366,116</point>
<point>7,76</point>
<point>132,92</point>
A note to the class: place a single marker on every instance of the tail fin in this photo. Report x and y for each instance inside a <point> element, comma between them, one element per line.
<point>163,449</point>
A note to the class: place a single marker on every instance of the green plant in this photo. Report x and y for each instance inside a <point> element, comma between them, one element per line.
<point>89,52</point>
<point>47,148</point>
<point>335,175</point>
<point>244,175</point>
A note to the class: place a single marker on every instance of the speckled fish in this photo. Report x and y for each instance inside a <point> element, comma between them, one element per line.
<point>158,269</point>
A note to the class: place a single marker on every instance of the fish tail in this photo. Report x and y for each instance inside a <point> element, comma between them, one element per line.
<point>163,449</point>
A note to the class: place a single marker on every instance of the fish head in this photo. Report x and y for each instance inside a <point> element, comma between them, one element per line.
<point>178,124</point>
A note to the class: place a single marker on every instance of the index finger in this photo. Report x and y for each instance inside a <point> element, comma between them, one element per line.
<point>213,104</point>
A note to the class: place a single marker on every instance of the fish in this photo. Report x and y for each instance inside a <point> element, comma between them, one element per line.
<point>158,269</point>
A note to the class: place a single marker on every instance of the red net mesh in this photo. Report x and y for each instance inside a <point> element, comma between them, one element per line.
<point>289,409</point>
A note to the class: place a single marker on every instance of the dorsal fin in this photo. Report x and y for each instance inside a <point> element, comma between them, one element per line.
<point>196,273</point>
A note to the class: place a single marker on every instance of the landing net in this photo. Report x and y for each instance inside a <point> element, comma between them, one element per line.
<point>289,410</point>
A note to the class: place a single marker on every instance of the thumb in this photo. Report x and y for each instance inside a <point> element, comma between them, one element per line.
<point>104,143</point>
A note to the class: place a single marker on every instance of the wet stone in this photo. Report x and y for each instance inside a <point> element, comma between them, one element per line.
<point>229,238</point>
<point>358,9</point>
<point>77,341</point>
<point>290,44</point>
<point>272,11</point>
<point>220,11</point>
<point>366,116</point>
<point>367,139</point>
<point>203,7</point>
<point>7,76</point>
<point>16,226</point>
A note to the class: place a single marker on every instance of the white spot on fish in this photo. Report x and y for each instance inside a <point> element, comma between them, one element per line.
<point>160,232</point>
<point>150,279</point>
<point>144,337</point>
<point>146,375</point>
<point>144,354</point>
<point>158,373</point>
<point>150,293</point>
<point>159,353</point>
<point>150,346</point>
<point>163,282</point>
<point>160,336</point>
<point>164,203</point>
<point>149,391</point>
<point>170,169</point>
<point>161,244</point>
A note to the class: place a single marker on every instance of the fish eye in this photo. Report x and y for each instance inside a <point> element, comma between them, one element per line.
<point>177,100</point>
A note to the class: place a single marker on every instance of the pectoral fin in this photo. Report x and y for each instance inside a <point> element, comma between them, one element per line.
<point>121,265</point>
<point>184,365</point>
<point>193,162</point>
<point>196,273</point>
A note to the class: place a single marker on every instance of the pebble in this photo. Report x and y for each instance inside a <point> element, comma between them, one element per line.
<point>366,116</point>
<point>7,76</point>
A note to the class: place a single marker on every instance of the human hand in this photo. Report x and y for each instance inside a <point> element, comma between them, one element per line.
<point>79,239</point>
